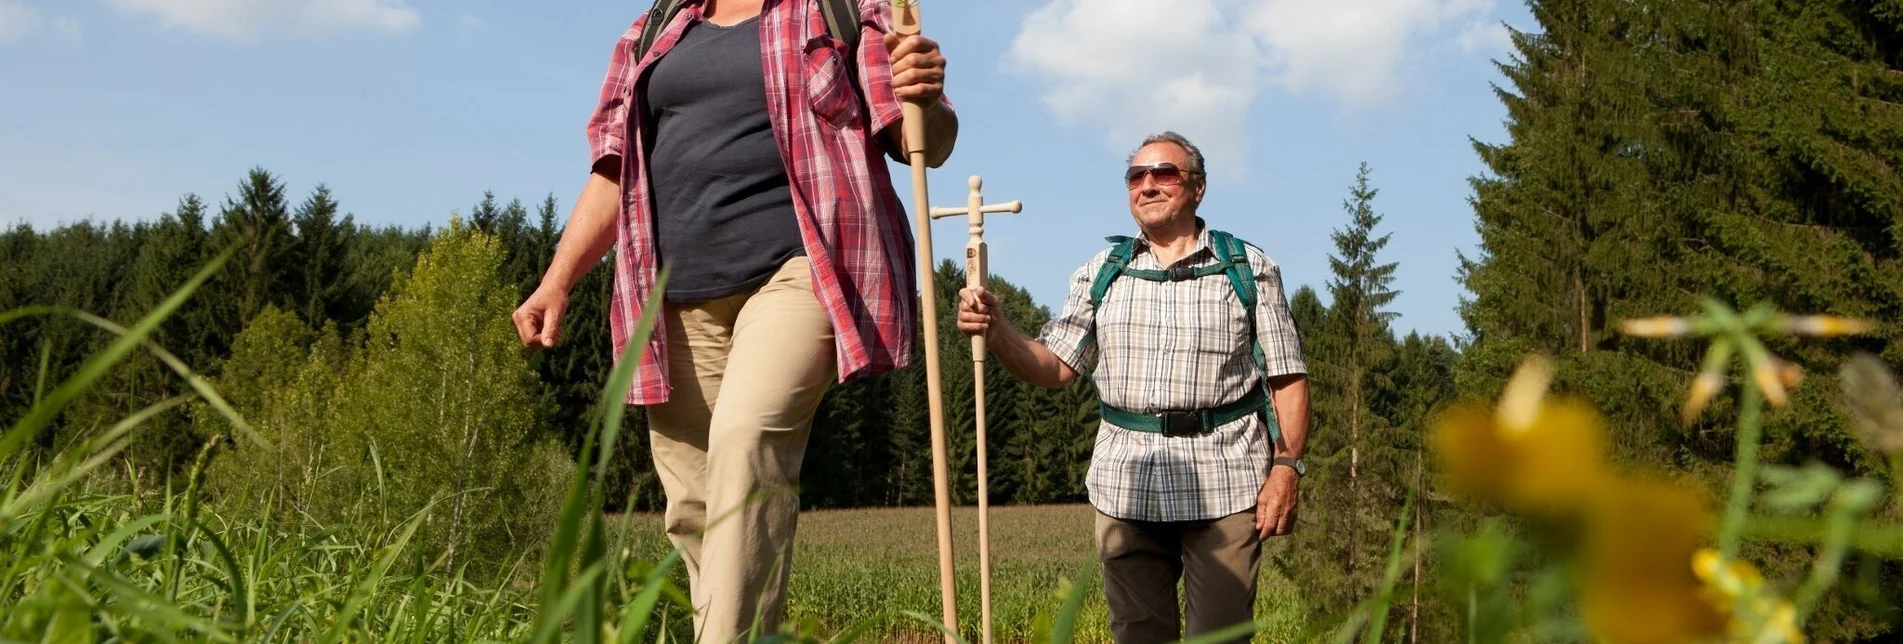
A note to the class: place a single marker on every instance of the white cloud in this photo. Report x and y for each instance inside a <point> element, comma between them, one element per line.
<point>1486,36</point>
<point>68,29</point>
<point>249,19</point>
<point>469,23</point>
<point>1196,66</point>
<point>18,20</point>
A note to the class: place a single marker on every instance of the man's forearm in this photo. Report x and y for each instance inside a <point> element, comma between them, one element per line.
<point>1027,359</point>
<point>589,232</point>
<point>1291,412</point>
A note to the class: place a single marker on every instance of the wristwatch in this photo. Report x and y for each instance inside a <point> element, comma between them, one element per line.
<point>1294,463</point>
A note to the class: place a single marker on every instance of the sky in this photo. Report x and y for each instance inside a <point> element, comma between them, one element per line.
<point>408,110</point>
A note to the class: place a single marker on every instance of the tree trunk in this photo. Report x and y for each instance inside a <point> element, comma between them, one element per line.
<point>1354,467</point>
<point>1585,312</point>
<point>1414,606</point>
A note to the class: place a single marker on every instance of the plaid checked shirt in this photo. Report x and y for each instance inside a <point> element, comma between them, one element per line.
<point>1175,346</point>
<point>855,229</point>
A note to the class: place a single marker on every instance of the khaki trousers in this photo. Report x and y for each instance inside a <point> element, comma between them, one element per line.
<point>1216,560</point>
<point>748,373</point>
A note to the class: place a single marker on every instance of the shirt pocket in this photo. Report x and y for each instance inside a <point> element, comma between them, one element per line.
<point>829,88</point>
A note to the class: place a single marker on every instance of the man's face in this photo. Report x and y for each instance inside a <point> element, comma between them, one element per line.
<point>1164,193</point>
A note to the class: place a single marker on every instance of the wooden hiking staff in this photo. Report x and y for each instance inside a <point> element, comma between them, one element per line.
<point>975,275</point>
<point>905,23</point>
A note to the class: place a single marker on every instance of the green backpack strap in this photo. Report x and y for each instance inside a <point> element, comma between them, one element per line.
<point>1114,265</point>
<point>1234,257</point>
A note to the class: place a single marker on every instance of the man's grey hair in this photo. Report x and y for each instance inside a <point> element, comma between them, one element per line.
<point>1195,155</point>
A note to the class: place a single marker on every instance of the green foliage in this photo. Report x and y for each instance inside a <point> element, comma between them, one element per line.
<point>442,400</point>
<point>1661,150</point>
<point>432,405</point>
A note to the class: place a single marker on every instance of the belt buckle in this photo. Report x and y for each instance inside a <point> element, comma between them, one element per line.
<point>1180,423</point>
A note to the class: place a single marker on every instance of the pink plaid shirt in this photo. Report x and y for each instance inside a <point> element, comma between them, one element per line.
<point>856,231</point>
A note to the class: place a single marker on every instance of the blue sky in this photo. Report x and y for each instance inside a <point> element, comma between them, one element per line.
<point>410,109</point>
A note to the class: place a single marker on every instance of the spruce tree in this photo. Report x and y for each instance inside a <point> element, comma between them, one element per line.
<point>257,225</point>
<point>321,251</point>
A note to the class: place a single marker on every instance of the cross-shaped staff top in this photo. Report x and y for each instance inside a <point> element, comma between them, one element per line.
<point>976,209</point>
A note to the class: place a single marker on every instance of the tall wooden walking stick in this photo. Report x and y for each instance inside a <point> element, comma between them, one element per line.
<point>975,274</point>
<point>905,23</point>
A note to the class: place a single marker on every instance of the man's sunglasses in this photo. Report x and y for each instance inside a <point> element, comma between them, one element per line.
<point>1165,174</point>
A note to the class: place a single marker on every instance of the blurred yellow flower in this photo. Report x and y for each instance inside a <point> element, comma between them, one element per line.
<point>1656,327</point>
<point>1637,585</point>
<point>1823,325</point>
<point>1530,453</point>
<point>1736,590</point>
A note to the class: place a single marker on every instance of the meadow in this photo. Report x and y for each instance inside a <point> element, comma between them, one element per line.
<point>865,565</point>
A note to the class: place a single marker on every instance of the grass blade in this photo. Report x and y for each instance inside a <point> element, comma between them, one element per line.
<point>566,604</point>
<point>634,618</point>
<point>101,450</point>
<point>232,570</point>
<point>613,400</point>
<point>197,382</point>
<point>364,590</point>
<point>97,554</point>
<point>615,394</point>
<point>42,414</point>
<point>1065,621</point>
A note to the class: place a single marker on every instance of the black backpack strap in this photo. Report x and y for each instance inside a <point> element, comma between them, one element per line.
<point>842,21</point>
<point>658,16</point>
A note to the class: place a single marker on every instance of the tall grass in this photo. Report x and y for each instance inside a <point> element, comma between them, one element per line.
<point>81,560</point>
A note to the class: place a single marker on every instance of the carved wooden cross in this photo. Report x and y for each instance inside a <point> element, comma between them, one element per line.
<point>975,210</point>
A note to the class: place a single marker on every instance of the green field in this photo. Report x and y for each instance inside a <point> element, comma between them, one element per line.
<point>850,566</point>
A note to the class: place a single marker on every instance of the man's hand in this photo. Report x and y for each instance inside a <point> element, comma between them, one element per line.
<point>539,318</point>
<point>1275,505</point>
<point>918,69</point>
<point>978,311</point>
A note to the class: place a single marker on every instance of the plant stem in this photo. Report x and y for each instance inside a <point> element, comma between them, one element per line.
<point>1896,482</point>
<point>1838,529</point>
<point>1877,539</point>
<point>1744,475</point>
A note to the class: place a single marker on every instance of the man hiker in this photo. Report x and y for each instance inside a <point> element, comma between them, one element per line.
<point>1186,333</point>
<point>742,149</point>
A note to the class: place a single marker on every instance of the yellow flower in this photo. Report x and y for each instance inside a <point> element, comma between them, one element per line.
<point>1736,590</point>
<point>1704,387</point>
<point>1637,588</point>
<point>1656,327</point>
<point>1823,325</point>
<point>1530,453</point>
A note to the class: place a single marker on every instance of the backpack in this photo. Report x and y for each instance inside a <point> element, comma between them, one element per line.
<point>842,20</point>
<point>1232,259</point>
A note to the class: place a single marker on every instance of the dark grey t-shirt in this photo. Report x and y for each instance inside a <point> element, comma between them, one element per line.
<point>723,210</point>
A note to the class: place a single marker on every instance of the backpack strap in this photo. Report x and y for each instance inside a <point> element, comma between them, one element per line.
<point>1233,256</point>
<point>1232,259</point>
<point>1114,265</point>
<point>842,21</point>
<point>658,16</point>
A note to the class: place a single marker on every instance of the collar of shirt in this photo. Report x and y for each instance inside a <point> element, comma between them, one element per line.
<point>1143,243</point>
